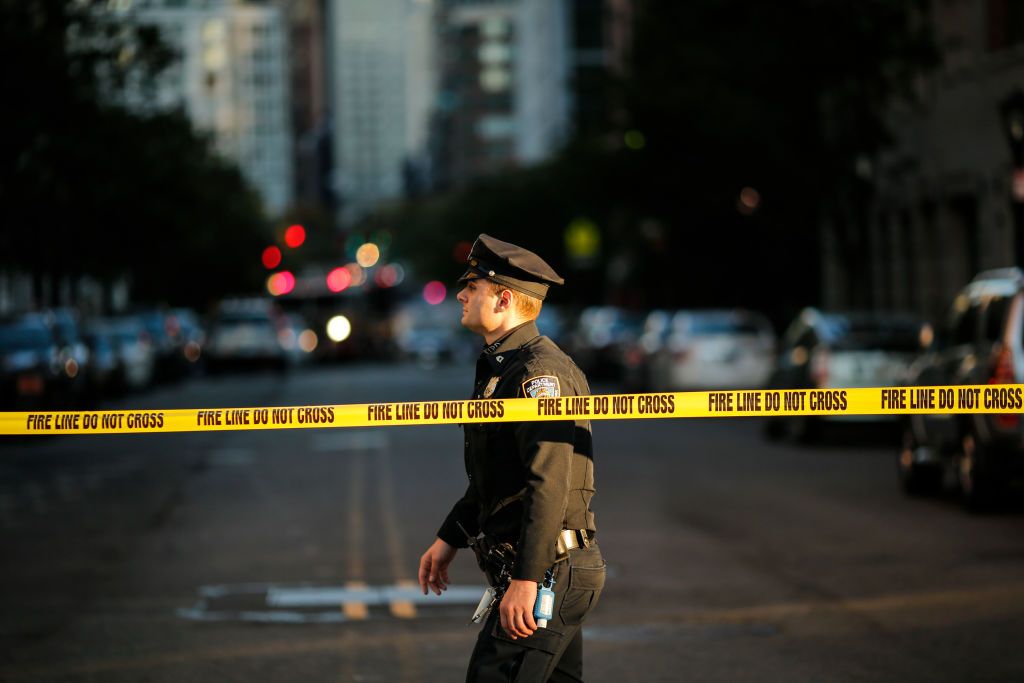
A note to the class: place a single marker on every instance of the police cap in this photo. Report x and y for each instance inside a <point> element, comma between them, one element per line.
<point>510,266</point>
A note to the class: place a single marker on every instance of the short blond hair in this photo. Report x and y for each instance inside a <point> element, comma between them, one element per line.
<point>526,306</point>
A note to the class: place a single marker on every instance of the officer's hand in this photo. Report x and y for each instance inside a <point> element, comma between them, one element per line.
<point>516,609</point>
<point>434,566</point>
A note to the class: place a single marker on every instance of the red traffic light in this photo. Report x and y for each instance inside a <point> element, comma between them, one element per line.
<point>295,236</point>
<point>271,258</point>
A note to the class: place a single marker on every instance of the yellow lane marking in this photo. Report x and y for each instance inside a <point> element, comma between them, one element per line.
<point>357,611</point>
<point>403,609</point>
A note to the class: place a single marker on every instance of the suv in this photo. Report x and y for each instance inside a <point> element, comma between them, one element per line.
<point>982,345</point>
<point>823,349</point>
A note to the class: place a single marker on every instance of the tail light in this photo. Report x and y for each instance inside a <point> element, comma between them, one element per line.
<point>819,368</point>
<point>634,357</point>
<point>1003,373</point>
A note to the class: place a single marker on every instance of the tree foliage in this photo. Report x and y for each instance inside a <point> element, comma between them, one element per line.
<point>788,98</point>
<point>89,187</point>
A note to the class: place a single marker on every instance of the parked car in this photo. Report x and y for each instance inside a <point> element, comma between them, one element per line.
<point>853,349</point>
<point>169,357</point>
<point>103,374</point>
<point>638,352</point>
<point>29,370</point>
<point>601,335</point>
<point>711,349</point>
<point>188,337</point>
<point>73,354</point>
<point>982,344</point>
<point>298,339</point>
<point>245,335</point>
<point>133,345</point>
<point>432,334</point>
<point>551,322</point>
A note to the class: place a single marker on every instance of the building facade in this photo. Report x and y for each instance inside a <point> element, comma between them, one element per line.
<point>232,79</point>
<point>381,77</point>
<point>306,27</point>
<point>505,96</point>
<point>943,208</point>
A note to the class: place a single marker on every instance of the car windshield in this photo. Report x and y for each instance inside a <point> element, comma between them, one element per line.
<point>248,320</point>
<point>874,334</point>
<point>708,325</point>
<point>24,338</point>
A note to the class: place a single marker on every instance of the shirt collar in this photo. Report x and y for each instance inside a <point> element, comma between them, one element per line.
<point>504,349</point>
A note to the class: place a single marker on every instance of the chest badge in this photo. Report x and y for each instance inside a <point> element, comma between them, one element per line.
<point>545,386</point>
<point>489,389</point>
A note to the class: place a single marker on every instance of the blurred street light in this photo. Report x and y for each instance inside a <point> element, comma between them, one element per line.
<point>368,255</point>
<point>280,283</point>
<point>635,140</point>
<point>339,279</point>
<point>339,328</point>
<point>582,242</point>
<point>748,201</point>
<point>434,292</point>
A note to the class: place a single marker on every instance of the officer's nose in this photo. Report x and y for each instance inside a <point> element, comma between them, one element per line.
<point>461,296</point>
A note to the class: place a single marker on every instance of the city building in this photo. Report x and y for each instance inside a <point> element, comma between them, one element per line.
<point>232,79</point>
<point>381,82</point>
<point>306,26</point>
<point>944,205</point>
<point>504,95</point>
<point>601,32</point>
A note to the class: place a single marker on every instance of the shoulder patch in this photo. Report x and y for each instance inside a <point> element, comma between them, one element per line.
<point>545,386</point>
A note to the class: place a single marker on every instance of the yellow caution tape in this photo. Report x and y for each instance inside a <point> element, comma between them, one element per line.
<point>986,398</point>
<point>999,398</point>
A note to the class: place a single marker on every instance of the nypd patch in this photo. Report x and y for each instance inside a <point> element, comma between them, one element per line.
<point>545,386</point>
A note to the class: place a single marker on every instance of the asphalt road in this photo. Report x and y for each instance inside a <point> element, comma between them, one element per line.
<point>287,556</point>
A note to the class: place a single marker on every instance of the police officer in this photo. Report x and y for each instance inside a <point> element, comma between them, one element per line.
<point>530,483</point>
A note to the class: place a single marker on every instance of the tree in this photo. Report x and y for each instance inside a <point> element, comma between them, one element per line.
<point>89,187</point>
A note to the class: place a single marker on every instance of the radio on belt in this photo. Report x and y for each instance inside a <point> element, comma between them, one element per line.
<point>545,605</point>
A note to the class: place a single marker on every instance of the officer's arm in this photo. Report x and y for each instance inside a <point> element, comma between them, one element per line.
<point>465,512</point>
<point>546,449</point>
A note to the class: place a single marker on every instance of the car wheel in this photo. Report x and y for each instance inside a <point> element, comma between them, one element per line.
<point>915,478</point>
<point>978,484</point>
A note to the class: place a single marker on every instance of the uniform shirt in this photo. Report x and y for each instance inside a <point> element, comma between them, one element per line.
<point>527,480</point>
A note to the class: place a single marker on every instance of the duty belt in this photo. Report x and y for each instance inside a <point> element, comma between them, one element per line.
<point>570,539</point>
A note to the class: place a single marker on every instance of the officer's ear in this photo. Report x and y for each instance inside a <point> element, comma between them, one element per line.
<point>505,300</point>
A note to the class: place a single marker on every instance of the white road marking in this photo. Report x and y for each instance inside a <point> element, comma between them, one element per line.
<point>284,602</point>
<point>329,596</point>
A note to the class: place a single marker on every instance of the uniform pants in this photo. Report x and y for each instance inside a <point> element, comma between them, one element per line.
<point>554,653</point>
